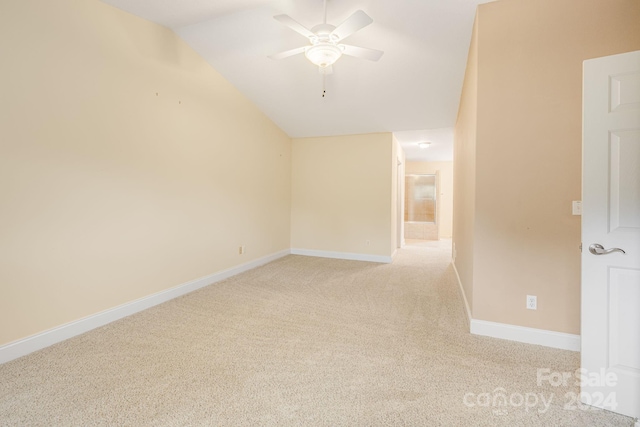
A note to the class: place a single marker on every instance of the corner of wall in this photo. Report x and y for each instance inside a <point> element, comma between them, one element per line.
<point>464,173</point>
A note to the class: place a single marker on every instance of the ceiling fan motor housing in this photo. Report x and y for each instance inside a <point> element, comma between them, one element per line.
<point>323,33</point>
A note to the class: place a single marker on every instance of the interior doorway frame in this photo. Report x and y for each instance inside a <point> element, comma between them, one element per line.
<point>400,205</point>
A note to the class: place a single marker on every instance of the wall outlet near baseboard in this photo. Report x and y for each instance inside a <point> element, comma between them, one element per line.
<point>241,250</point>
<point>532,302</point>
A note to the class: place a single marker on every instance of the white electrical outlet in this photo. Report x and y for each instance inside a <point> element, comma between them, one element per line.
<point>241,250</point>
<point>532,302</point>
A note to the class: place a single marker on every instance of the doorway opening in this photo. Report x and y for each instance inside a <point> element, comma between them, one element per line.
<point>420,207</point>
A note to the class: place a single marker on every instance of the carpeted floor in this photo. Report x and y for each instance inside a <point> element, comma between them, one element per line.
<point>300,342</point>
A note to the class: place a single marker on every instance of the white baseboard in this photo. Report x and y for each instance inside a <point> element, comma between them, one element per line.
<point>517,333</point>
<point>527,335</point>
<point>343,255</point>
<point>44,339</point>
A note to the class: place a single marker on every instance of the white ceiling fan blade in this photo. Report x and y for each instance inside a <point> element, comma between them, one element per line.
<point>354,23</point>
<point>294,25</point>
<point>362,52</point>
<point>288,53</point>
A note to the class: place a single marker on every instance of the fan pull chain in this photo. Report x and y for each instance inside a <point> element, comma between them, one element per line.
<point>324,81</point>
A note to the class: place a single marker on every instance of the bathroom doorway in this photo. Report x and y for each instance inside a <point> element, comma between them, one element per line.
<point>420,207</point>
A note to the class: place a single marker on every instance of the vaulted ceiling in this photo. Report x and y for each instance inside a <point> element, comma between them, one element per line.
<point>413,90</point>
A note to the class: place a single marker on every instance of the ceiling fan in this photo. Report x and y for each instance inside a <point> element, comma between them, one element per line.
<point>325,48</point>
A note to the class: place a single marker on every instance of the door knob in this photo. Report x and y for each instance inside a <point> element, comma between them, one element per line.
<point>598,249</point>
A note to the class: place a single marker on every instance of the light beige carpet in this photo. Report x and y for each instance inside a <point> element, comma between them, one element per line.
<point>299,342</point>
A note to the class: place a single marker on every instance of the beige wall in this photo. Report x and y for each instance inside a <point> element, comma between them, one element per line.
<point>528,151</point>
<point>444,201</point>
<point>342,194</point>
<point>128,165</point>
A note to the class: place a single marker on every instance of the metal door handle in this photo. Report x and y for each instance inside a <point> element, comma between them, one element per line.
<point>598,249</point>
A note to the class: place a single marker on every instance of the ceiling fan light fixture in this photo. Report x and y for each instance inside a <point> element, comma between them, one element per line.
<point>323,54</point>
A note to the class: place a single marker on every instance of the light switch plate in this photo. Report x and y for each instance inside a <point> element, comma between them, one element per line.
<point>576,207</point>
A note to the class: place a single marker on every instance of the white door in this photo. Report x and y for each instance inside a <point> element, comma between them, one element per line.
<point>611,219</point>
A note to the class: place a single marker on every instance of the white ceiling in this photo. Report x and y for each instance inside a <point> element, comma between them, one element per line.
<point>414,87</point>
